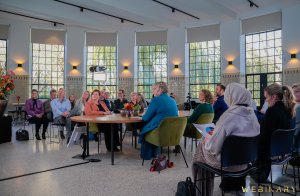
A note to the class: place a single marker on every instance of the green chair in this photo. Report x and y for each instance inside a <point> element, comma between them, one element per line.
<point>168,134</point>
<point>191,132</point>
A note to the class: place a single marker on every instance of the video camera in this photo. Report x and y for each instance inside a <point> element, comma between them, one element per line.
<point>97,68</point>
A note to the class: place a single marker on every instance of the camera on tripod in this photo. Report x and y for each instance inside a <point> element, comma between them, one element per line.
<point>97,68</point>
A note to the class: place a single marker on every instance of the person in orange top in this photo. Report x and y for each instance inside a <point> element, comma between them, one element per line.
<point>97,107</point>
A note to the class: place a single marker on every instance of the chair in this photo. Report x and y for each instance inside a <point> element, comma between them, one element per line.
<point>191,132</point>
<point>296,154</point>
<point>168,134</point>
<point>246,153</point>
<point>94,129</point>
<point>51,135</point>
<point>281,150</point>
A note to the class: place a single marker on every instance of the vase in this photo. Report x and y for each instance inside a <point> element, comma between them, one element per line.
<point>123,113</point>
<point>135,113</point>
<point>128,113</point>
<point>3,105</point>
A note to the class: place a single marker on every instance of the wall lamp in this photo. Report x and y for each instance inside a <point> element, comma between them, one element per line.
<point>74,67</point>
<point>19,65</point>
<point>230,62</point>
<point>176,66</point>
<point>293,56</point>
<point>126,67</point>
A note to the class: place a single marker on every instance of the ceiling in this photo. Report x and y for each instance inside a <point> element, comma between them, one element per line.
<point>152,15</point>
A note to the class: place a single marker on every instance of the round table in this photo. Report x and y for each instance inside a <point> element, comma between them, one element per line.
<point>103,119</point>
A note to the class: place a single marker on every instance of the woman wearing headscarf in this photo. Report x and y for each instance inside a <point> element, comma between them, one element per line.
<point>238,120</point>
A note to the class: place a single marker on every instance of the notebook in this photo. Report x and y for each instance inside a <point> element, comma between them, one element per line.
<point>206,130</point>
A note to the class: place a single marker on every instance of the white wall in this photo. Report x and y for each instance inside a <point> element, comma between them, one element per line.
<point>75,51</point>
<point>18,45</point>
<point>126,43</point>
<point>176,51</point>
<point>291,35</point>
<point>230,46</point>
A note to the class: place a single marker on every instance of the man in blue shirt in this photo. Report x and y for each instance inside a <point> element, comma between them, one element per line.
<point>219,106</point>
<point>61,111</point>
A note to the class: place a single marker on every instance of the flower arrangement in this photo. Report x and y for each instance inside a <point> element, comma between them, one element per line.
<point>18,99</point>
<point>136,108</point>
<point>6,84</point>
<point>128,106</point>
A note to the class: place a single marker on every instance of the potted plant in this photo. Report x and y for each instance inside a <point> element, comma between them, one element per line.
<point>136,110</point>
<point>6,88</point>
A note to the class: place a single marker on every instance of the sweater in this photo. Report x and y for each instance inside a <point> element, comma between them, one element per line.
<point>202,108</point>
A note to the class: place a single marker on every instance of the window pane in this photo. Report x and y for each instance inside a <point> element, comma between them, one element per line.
<point>3,51</point>
<point>152,67</point>
<point>263,55</point>
<point>103,56</point>
<point>48,68</point>
<point>204,67</point>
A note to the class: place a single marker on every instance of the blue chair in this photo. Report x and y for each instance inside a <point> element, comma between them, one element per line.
<point>235,151</point>
<point>282,150</point>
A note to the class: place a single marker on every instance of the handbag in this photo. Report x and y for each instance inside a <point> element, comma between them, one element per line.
<point>160,163</point>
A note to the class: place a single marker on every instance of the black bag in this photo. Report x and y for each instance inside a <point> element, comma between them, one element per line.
<point>186,188</point>
<point>22,135</point>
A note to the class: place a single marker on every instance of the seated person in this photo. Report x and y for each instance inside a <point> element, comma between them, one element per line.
<point>296,91</point>
<point>98,107</point>
<point>141,100</point>
<point>119,103</point>
<point>35,114</point>
<point>78,108</point>
<point>135,102</point>
<point>47,105</point>
<point>72,100</point>
<point>219,105</point>
<point>106,95</point>
<point>161,106</point>
<point>279,115</point>
<point>61,108</point>
<point>205,106</point>
<point>238,120</point>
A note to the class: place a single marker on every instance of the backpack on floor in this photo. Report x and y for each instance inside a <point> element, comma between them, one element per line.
<point>186,188</point>
<point>22,135</point>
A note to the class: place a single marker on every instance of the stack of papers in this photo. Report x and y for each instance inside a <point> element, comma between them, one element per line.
<point>206,130</point>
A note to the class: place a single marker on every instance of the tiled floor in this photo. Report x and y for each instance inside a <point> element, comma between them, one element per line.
<point>126,177</point>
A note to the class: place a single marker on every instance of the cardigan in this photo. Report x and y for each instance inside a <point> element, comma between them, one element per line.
<point>202,108</point>
<point>160,107</point>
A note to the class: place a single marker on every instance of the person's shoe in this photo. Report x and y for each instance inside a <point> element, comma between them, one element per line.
<point>62,135</point>
<point>43,136</point>
<point>116,149</point>
<point>37,136</point>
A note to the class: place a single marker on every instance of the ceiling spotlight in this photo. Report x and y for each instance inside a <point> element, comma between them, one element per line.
<point>122,20</point>
<point>54,24</point>
<point>173,9</point>
<point>81,9</point>
<point>251,4</point>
